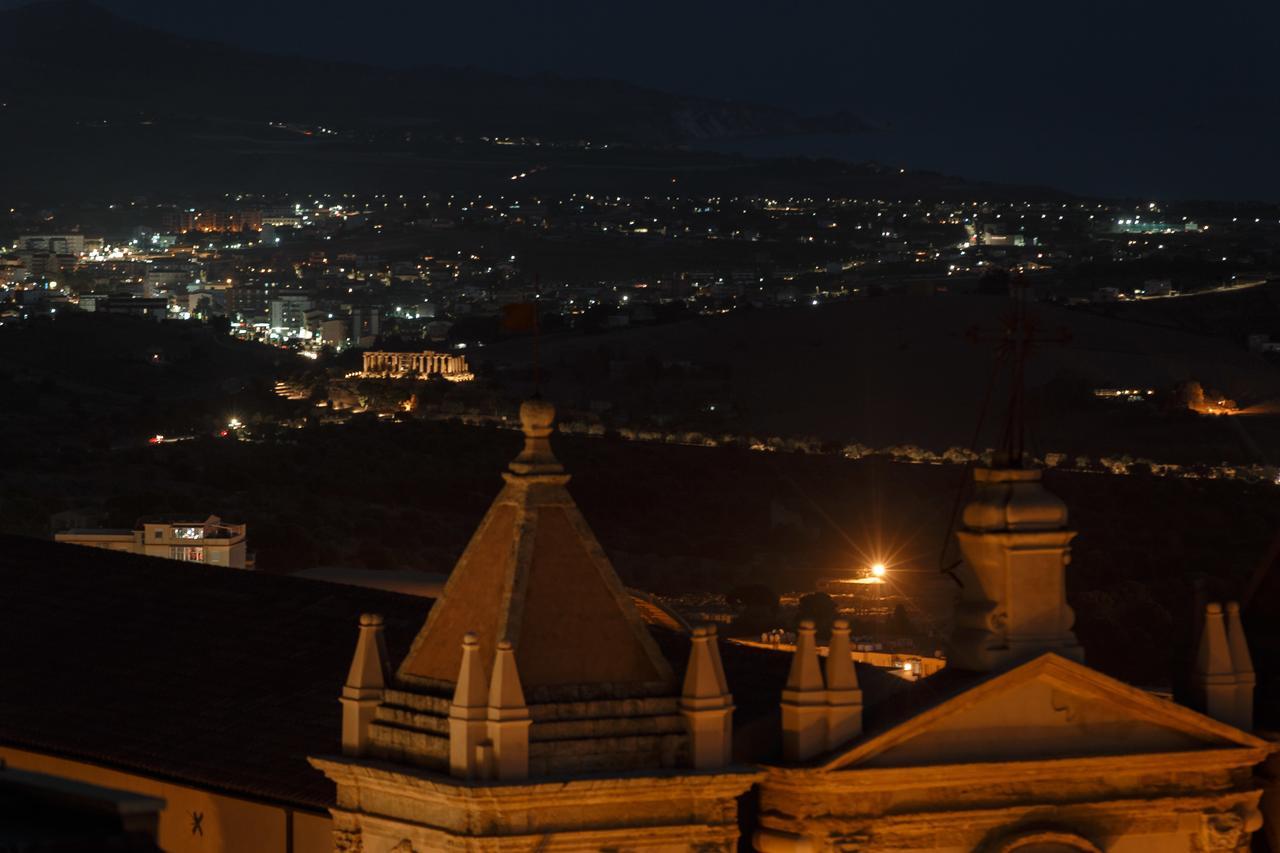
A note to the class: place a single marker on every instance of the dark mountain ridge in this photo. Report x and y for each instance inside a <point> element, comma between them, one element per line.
<point>74,51</point>
<point>100,108</point>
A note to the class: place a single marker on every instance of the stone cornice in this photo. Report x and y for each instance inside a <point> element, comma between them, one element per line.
<point>945,819</point>
<point>857,779</point>
<point>680,836</point>
<point>459,793</point>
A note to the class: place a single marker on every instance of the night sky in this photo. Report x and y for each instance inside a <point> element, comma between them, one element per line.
<point>1159,99</point>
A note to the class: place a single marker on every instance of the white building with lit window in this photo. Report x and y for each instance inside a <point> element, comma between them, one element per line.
<point>209,541</point>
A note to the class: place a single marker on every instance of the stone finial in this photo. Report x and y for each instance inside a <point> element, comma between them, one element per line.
<point>706,704</point>
<point>1215,678</point>
<point>537,419</point>
<point>1242,666</point>
<point>844,697</point>
<point>1016,548</point>
<point>804,700</point>
<point>508,718</point>
<point>366,682</point>
<point>469,711</point>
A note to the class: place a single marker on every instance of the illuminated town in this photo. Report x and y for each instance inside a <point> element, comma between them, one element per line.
<point>697,429</point>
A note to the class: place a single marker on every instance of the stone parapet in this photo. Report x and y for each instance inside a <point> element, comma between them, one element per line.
<point>565,737</point>
<point>683,811</point>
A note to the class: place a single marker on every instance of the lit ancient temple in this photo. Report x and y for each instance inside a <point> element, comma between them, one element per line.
<point>415,364</point>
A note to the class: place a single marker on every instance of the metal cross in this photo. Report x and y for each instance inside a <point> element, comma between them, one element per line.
<point>1015,339</point>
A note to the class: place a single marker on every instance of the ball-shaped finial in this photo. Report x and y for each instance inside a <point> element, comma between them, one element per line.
<point>1214,607</point>
<point>840,625</point>
<point>504,646</point>
<point>470,639</point>
<point>536,417</point>
<point>807,625</point>
<point>370,620</point>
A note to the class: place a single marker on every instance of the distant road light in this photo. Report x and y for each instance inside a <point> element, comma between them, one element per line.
<point>878,570</point>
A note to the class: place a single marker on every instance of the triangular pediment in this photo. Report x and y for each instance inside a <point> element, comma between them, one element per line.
<point>1048,708</point>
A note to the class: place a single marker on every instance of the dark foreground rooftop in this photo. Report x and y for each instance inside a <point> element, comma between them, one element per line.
<point>220,678</point>
<point>227,680</point>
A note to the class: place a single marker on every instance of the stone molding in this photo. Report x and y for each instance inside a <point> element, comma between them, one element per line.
<point>658,812</point>
<point>853,779</point>
<point>1219,819</point>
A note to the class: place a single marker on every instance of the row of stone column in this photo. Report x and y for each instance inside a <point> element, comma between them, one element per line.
<point>424,363</point>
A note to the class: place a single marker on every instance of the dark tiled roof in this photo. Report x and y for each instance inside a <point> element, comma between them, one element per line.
<point>216,677</point>
<point>228,680</point>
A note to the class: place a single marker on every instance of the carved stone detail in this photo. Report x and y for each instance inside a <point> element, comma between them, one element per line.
<point>346,840</point>
<point>1227,832</point>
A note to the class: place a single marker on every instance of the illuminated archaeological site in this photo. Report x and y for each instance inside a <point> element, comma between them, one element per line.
<point>397,365</point>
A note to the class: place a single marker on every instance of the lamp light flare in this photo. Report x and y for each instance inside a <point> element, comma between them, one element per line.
<point>877,570</point>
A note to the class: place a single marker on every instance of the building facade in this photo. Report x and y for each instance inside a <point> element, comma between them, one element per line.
<point>288,310</point>
<point>209,541</point>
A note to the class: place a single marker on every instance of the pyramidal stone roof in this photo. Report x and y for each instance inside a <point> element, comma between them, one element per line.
<point>533,574</point>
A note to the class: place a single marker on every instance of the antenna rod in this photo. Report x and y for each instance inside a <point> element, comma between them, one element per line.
<point>537,333</point>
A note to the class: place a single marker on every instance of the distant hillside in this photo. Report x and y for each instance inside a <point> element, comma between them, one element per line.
<point>100,108</point>
<point>72,53</point>
<point>904,370</point>
<point>113,380</point>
